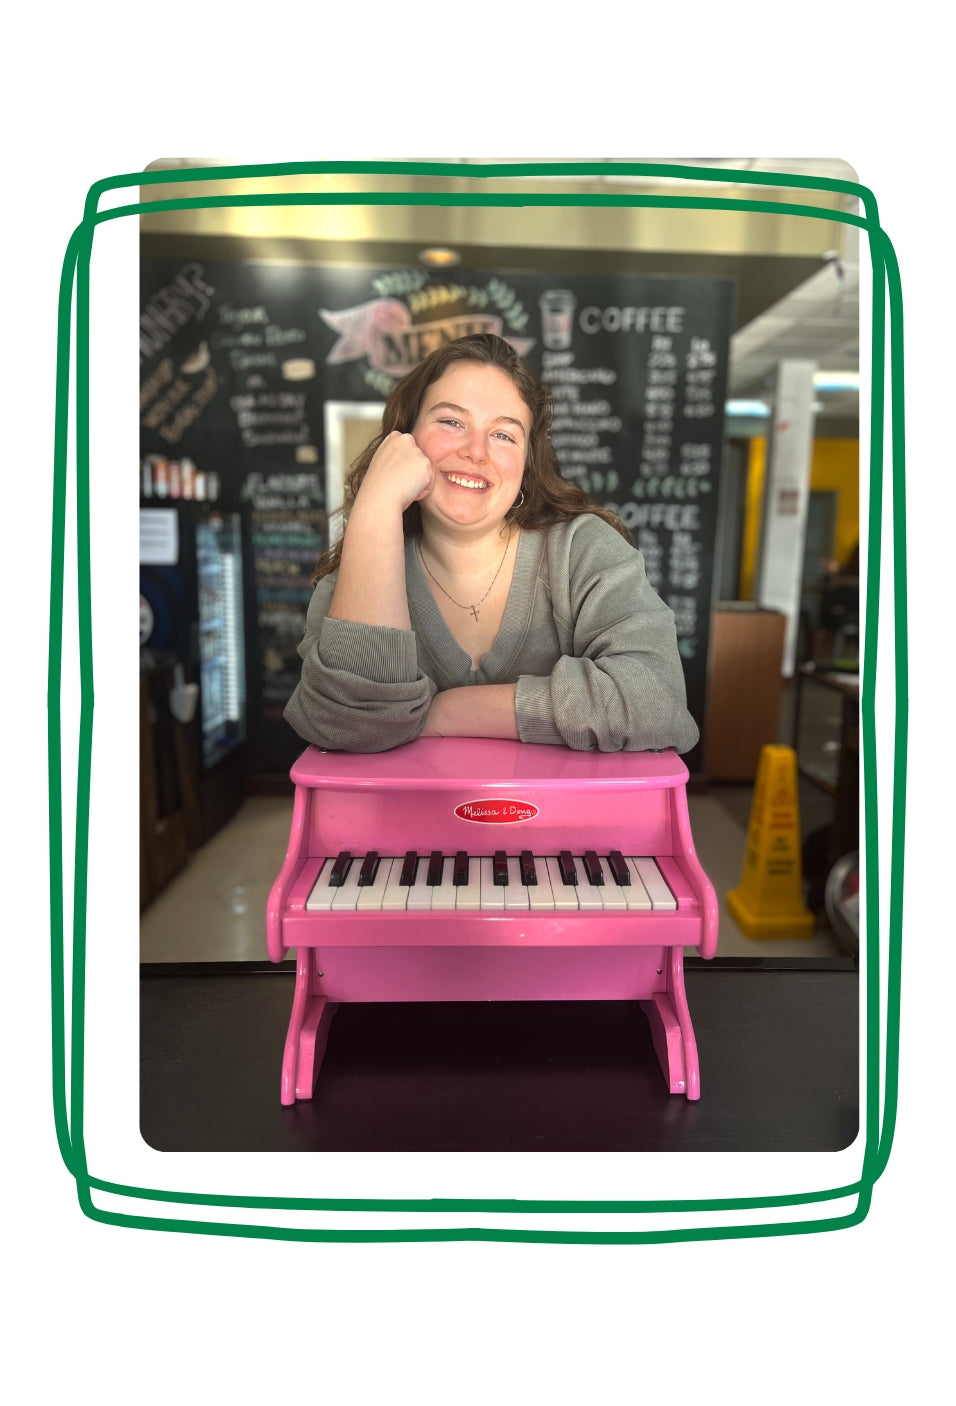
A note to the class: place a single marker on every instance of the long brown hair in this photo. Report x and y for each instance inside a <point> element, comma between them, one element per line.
<point>548,498</point>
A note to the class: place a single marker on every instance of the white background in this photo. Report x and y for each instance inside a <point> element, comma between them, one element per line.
<point>129,1315</point>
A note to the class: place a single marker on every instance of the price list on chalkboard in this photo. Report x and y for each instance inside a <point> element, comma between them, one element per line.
<point>638,370</point>
<point>288,533</point>
<point>241,359</point>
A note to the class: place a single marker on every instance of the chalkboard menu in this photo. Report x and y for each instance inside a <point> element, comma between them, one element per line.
<point>241,361</point>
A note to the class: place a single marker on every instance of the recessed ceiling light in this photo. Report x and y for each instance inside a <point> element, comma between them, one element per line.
<point>837,380</point>
<point>439,258</point>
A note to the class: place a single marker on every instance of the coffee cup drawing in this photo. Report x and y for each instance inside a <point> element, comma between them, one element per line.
<point>557,318</point>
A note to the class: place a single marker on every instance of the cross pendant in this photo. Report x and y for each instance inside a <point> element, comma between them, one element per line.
<point>474,610</point>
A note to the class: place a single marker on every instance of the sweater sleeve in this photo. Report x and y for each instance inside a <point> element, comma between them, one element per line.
<point>620,685</point>
<point>361,689</point>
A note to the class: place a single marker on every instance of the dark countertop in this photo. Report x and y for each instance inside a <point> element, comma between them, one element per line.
<point>778,1046</point>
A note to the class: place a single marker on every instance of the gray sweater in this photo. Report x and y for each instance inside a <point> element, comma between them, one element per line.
<point>590,646</point>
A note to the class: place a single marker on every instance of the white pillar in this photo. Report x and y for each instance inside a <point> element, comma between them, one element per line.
<point>785,495</point>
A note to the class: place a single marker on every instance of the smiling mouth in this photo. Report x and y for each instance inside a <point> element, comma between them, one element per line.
<point>462,481</point>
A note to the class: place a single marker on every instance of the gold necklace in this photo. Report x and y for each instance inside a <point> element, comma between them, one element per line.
<point>472,608</point>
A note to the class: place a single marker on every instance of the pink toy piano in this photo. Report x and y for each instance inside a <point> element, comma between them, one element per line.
<point>484,870</point>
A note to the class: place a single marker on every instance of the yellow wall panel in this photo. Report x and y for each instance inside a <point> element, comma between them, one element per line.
<point>835,467</point>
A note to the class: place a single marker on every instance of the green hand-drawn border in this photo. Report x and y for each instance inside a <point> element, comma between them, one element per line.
<point>68,1115</point>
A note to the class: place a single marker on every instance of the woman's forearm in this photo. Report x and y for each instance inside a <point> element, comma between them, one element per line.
<point>485,710</point>
<point>370,587</point>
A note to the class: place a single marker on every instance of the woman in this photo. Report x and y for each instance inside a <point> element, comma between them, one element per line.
<point>474,592</point>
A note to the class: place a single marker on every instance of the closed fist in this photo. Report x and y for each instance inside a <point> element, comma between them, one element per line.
<point>399,474</point>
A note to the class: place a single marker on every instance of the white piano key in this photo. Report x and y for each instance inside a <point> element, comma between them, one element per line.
<point>320,899</point>
<point>540,896</point>
<point>468,896</point>
<point>420,893</point>
<point>445,894</point>
<point>492,894</point>
<point>589,895</point>
<point>656,885</point>
<point>612,894</point>
<point>637,897</point>
<point>371,897</point>
<point>395,896</point>
<point>564,896</point>
<point>516,893</point>
<point>346,896</point>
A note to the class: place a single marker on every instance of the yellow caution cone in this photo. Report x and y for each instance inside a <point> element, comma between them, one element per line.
<point>768,901</point>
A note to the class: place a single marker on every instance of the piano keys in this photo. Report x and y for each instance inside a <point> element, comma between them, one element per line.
<point>445,883</point>
<point>483,870</point>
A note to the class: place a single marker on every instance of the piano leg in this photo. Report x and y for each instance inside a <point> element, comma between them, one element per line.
<point>300,1005</point>
<point>308,1032</point>
<point>672,1031</point>
<point>312,1042</point>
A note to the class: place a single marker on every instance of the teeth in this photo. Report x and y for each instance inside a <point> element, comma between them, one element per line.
<point>467,482</point>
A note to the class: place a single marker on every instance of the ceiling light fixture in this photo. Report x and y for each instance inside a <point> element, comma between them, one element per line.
<point>837,380</point>
<point>439,258</point>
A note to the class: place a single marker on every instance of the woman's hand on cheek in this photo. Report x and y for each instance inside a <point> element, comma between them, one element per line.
<point>399,474</point>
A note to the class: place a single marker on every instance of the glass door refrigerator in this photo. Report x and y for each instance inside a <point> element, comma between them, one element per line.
<point>222,670</point>
<point>192,638</point>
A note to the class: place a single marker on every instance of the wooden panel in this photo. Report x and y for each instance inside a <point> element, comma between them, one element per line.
<point>744,693</point>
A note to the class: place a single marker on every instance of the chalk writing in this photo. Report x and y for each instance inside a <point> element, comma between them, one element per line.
<point>185,299</point>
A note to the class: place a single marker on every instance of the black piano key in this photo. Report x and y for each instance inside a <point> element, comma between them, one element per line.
<point>369,868</point>
<point>567,866</point>
<point>592,867</point>
<point>436,862</point>
<point>460,875</point>
<point>340,869</point>
<point>499,867</point>
<point>409,868</point>
<point>529,875</point>
<point>618,866</point>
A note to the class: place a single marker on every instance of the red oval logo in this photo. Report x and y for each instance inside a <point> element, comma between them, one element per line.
<point>495,811</point>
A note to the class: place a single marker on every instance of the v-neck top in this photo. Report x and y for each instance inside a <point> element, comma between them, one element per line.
<point>450,664</point>
<point>588,643</point>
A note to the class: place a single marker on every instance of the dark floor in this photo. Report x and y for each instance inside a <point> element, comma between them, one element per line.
<point>778,1046</point>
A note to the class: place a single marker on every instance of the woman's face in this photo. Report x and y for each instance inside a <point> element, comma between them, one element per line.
<point>474,429</point>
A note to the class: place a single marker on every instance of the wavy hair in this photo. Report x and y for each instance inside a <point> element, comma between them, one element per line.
<point>548,498</point>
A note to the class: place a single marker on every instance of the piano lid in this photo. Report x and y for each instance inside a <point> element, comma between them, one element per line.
<point>486,763</point>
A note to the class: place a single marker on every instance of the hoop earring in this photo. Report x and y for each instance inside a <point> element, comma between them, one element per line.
<point>519,501</point>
